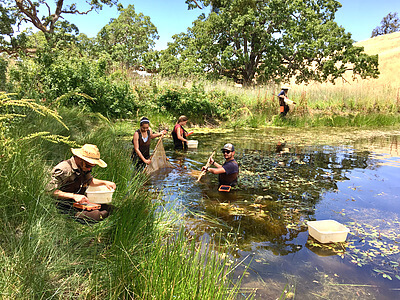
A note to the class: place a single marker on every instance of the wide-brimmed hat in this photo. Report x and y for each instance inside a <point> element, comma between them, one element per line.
<point>229,147</point>
<point>285,87</point>
<point>89,153</point>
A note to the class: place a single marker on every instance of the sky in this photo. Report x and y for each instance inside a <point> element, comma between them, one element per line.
<point>359,17</point>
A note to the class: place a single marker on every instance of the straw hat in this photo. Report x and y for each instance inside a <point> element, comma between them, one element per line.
<point>285,87</point>
<point>89,153</point>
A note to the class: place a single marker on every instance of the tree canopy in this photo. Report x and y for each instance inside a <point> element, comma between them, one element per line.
<point>48,18</point>
<point>129,39</point>
<point>270,40</point>
<point>389,24</point>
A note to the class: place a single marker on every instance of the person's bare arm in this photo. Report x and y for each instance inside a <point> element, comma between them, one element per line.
<point>180,136</point>
<point>217,170</point>
<point>109,184</point>
<point>154,135</point>
<point>66,195</point>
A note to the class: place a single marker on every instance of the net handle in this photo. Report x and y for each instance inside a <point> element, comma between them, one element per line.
<point>207,165</point>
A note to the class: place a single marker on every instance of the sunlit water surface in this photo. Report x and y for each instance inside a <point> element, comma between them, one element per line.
<point>288,177</point>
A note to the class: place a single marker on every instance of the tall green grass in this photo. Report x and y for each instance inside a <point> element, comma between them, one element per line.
<point>349,104</point>
<point>132,254</point>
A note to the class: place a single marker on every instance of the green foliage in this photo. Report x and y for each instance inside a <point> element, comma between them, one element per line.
<point>372,120</point>
<point>40,15</point>
<point>52,75</point>
<point>129,38</point>
<point>11,109</point>
<point>128,255</point>
<point>34,238</point>
<point>196,104</point>
<point>277,40</point>
<point>3,73</point>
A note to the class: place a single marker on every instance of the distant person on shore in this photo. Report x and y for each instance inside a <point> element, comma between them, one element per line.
<point>141,143</point>
<point>70,179</point>
<point>228,173</point>
<point>179,134</point>
<point>284,101</point>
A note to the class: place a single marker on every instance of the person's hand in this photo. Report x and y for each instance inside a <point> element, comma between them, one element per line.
<point>211,161</point>
<point>204,168</point>
<point>147,161</point>
<point>80,199</point>
<point>164,132</point>
<point>110,185</point>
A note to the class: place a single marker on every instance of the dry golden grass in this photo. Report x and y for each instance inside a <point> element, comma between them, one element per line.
<point>388,48</point>
<point>364,93</point>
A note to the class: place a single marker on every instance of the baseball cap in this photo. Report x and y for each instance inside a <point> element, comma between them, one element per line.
<point>229,147</point>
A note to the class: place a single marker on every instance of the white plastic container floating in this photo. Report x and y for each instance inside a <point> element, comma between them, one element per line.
<point>99,194</point>
<point>192,143</point>
<point>327,231</point>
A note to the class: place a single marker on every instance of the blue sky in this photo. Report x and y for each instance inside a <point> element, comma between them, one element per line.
<point>359,17</point>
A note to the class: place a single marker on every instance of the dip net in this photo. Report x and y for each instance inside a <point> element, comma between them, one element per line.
<point>158,159</point>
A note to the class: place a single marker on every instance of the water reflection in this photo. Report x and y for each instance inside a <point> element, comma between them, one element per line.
<point>278,190</point>
<point>283,183</point>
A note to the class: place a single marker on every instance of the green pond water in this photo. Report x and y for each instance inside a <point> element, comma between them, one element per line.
<point>288,177</point>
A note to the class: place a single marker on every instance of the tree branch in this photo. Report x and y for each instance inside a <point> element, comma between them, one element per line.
<point>197,4</point>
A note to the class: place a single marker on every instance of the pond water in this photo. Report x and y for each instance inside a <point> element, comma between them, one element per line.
<point>287,177</point>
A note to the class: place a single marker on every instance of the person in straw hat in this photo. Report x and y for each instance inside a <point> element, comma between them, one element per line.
<point>284,101</point>
<point>70,179</point>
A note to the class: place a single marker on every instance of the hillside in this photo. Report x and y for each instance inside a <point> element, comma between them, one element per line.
<point>388,48</point>
<point>386,86</point>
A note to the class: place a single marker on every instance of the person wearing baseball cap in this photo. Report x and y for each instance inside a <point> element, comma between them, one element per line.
<point>71,177</point>
<point>228,173</point>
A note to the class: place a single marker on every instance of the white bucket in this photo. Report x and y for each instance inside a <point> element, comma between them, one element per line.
<point>327,231</point>
<point>99,194</point>
<point>192,143</point>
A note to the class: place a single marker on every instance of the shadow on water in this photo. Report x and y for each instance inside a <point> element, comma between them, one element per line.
<point>283,183</point>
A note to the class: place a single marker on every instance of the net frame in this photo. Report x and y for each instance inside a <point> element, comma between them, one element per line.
<point>158,159</point>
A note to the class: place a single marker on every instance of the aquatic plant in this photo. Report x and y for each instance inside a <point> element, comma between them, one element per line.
<point>376,246</point>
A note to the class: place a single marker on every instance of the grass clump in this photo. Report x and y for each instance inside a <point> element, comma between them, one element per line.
<point>131,254</point>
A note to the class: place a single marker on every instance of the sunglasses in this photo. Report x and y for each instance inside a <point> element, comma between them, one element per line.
<point>226,151</point>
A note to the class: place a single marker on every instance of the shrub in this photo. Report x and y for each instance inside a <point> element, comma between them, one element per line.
<point>47,79</point>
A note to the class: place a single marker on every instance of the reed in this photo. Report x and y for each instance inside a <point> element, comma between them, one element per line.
<point>135,253</point>
<point>361,103</point>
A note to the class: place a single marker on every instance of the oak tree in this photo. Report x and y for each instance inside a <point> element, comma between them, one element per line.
<point>270,40</point>
<point>389,24</point>
<point>129,39</point>
<point>46,16</point>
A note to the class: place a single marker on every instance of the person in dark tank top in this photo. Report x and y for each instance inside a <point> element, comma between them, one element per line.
<point>141,143</point>
<point>179,134</point>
